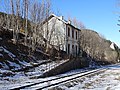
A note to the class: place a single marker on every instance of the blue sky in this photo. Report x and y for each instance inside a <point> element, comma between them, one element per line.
<point>98,15</point>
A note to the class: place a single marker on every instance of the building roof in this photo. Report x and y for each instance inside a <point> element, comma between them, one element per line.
<point>64,21</point>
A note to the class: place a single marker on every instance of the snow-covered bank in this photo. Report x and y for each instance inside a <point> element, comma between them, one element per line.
<point>26,77</point>
<point>109,80</point>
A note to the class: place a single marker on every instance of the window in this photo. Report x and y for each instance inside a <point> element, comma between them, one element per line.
<point>68,48</point>
<point>72,33</point>
<point>76,49</point>
<point>73,47</point>
<point>73,51</point>
<point>68,31</point>
<point>76,35</point>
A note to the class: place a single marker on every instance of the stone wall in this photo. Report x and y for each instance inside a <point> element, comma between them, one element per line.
<point>72,64</point>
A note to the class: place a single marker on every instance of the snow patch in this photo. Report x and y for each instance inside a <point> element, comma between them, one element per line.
<point>112,46</point>
<point>14,64</point>
<point>8,52</point>
<point>1,55</point>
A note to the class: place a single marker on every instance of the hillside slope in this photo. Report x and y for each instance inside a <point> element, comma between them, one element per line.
<point>98,48</point>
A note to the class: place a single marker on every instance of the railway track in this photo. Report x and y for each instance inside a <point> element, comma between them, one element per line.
<point>56,81</point>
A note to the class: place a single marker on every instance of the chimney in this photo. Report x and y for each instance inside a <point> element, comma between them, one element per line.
<point>61,17</point>
<point>69,21</point>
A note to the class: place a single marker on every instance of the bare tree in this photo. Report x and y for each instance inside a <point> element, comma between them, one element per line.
<point>17,18</point>
<point>76,23</point>
<point>37,16</point>
<point>7,16</point>
<point>26,6</point>
<point>1,21</point>
<point>47,14</point>
<point>93,44</point>
<point>13,19</point>
<point>38,13</point>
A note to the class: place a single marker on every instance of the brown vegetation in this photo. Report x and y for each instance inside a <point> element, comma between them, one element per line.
<point>97,47</point>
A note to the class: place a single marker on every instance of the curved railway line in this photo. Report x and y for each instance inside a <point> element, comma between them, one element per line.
<point>59,80</point>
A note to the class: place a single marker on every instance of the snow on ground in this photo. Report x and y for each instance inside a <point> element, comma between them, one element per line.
<point>14,64</point>
<point>44,68</point>
<point>36,87</point>
<point>25,63</point>
<point>109,80</point>
<point>112,46</point>
<point>8,52</point>
<point>26,77</point>
<point>45,79</point>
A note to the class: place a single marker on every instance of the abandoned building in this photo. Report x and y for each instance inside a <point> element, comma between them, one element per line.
<point>62,33</point>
